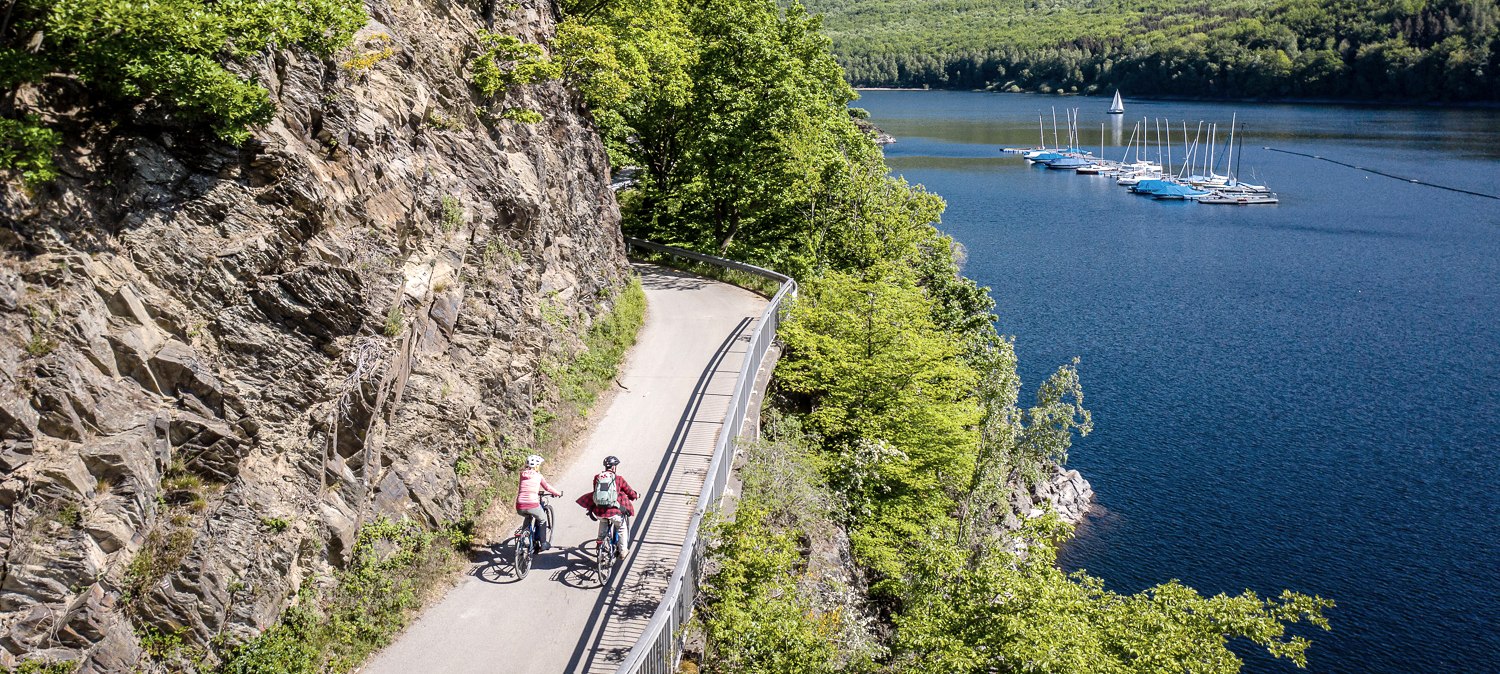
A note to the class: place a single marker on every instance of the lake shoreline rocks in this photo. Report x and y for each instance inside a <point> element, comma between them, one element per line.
<point>880,137</point>
<point>1064,491</point>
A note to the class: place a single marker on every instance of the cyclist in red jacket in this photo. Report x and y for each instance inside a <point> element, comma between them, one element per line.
<point>611,500</point>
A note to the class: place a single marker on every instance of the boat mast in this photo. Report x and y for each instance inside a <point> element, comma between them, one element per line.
<point>1213,133</point>
<point>1197,135</point>
<point>1229,145</point>
<point>1125,158</point>
<point>1185,150</point>
<point>1158,142</point>
<point>1054,127</point>
<point>1242,157</point>
<point>1229,162</point>
<point>1195,143</point>
<point>1167,167</point>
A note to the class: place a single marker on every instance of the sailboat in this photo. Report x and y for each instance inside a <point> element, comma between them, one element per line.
<point>1118,106</point>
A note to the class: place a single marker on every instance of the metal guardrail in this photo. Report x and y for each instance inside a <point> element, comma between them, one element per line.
<point>660,645</point>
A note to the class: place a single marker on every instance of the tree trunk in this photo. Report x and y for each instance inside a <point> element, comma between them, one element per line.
<point>734,228</point>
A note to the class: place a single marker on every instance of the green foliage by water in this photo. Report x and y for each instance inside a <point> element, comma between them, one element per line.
<point>735,112</point>
<point>169,55</point>
<point>1010,612</point>
<point>766,609</point>
<point>1365,49</point>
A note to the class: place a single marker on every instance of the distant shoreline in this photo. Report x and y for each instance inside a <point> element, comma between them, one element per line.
<point>1351,102</point>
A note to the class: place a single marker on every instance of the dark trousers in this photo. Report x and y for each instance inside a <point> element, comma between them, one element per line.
<point>538,516</point>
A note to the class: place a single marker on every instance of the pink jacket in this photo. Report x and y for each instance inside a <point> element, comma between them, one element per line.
<point>532,482</point>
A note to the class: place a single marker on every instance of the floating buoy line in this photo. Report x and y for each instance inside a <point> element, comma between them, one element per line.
<point>1378,172</point>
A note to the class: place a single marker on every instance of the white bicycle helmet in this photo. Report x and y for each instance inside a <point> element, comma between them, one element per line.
<point>533,461</point>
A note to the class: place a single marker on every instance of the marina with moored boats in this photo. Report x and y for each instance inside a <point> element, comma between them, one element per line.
<point>1146,167</point>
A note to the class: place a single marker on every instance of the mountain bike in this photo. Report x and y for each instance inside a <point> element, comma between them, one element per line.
<point>526,542</point>
<point>606,549</point>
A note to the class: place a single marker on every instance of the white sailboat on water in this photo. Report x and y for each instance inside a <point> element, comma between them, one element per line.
<point>1118,106</point>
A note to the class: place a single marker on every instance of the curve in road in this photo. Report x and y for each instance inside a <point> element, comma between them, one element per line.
<point>676,385</point>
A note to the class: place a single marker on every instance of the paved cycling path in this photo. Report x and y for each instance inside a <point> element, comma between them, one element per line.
<point>662,424</point>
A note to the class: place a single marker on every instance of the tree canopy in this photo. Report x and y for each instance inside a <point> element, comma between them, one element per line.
<point>168,54</point>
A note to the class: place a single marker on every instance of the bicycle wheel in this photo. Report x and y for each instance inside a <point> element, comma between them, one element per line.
<point>604,558</point>
<point>550,528</point>
<point>523,555</point>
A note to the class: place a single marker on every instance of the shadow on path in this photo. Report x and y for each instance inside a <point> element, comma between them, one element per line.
<point>621,600</point>
<point>666,278</point>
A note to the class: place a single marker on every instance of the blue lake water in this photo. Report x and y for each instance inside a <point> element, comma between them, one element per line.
<point>1301,396</point>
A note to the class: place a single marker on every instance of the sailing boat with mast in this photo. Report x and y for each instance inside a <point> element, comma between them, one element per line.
<point>1118,106</point>
<point>1073,158</point>
<point>1234,184</point>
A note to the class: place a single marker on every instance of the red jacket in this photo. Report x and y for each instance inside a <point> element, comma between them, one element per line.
<point>627,495</point>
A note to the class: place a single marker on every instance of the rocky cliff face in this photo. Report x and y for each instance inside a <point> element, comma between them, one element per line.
<point>216,363</point>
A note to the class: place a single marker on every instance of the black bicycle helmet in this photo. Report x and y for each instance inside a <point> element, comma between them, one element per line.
<point>611,461</point>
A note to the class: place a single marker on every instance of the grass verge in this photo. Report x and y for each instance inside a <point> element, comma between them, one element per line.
<point>368,605</point>
<point>579,382</point>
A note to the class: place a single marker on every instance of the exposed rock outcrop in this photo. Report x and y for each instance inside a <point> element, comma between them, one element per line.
<point>1069,494</point>
<point>1064,491</point>
<point>216,363</point>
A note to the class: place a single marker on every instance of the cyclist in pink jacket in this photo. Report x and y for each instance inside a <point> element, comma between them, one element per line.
<point>529,500</point>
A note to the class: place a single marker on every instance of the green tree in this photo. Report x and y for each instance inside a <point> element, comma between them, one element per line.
<point>171,52</point>
<point>1228,48</point>
<point>1017,612</point>
<point>888,390</point>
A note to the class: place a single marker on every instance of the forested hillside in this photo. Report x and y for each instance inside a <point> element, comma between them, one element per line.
<point>1425,50</point>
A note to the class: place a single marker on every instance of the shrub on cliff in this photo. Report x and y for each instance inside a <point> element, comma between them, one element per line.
<point>26,148</point>
<point>167,54</point>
